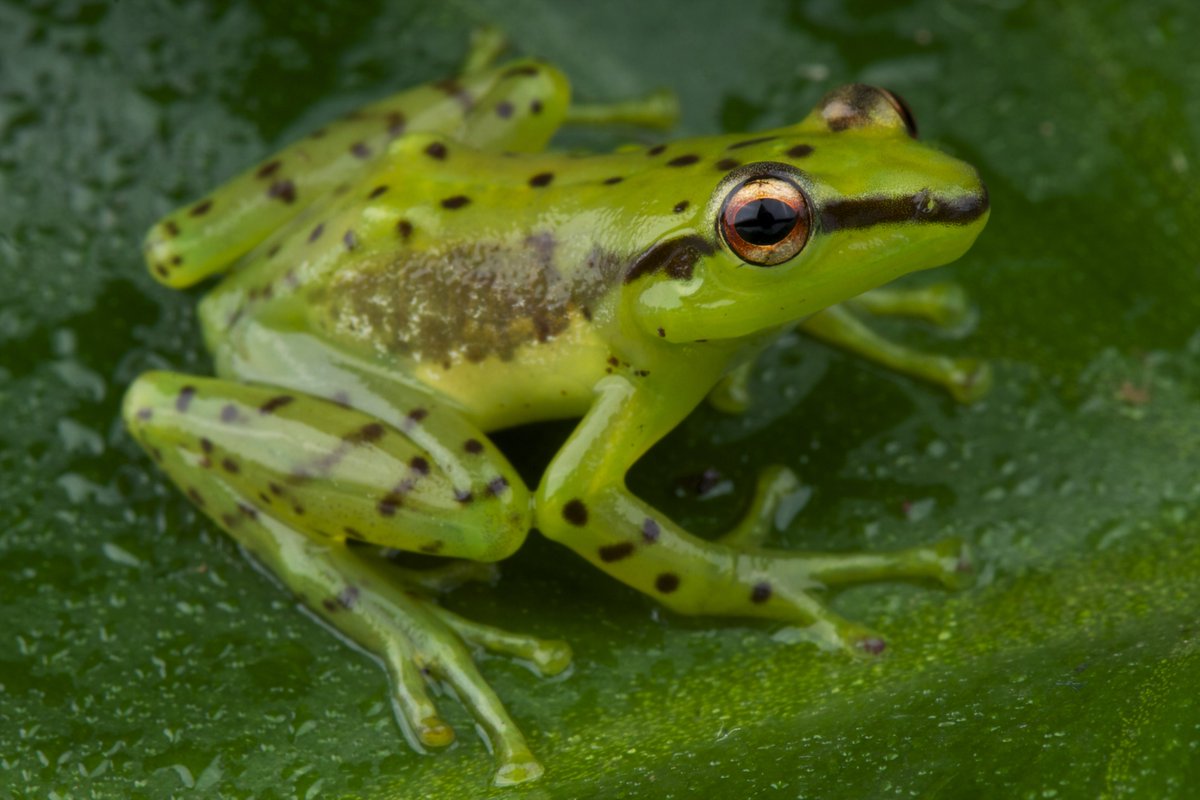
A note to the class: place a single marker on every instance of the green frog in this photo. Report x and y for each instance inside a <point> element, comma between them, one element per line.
<point>423,271</point>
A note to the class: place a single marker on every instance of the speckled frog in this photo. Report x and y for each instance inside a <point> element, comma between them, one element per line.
<point>419,273</point>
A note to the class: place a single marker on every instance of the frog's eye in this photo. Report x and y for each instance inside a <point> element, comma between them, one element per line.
<point>902,110</point>
<point>765,221</point>
<point>861,106</point>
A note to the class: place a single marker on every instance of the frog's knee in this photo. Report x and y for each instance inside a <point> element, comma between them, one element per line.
<point>143,398</point>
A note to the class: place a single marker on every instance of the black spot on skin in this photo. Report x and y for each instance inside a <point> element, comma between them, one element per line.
<point>419,465</point>
<point>452,88</point>
<point>350,240</point>
<point>316,232</point>
<point>230,520</point>
<point>275,403</point>
<point>575,512</point>
<point>404,228</point>
<point>473,446</point>
<point>667,582</point>
<point>463,496</point>
<point>615,552</point>
<point>680,207</point>
<point>541,179</point>
<point>360,150</point>
<point>437,150</point>
<point>230,466</point>
<point>330,604</point>
<point>650,531</point>
<point>248,511</point>
<point>161,270</point>
<point>675,257</point>
<point>195,496</point>
<point>229,413</point>
<point>749,142</point>
<point>297,509</point>
<point>727,163</point>
<point>156,454</point>
<point>414,417</point>
<point>662,332</point>
<point>641,373</point>
<point>761,592</point>
<point>184,399</point>
<point>387,505</point>
<point>522,70</point>
<point>455,202</point>
<point>800,151</point>
<point>276,489</point>
<point>283,190</point>
<point>504,109</point>
<point>658,148</point>
<point>206,445</point>
<point>376,192</point>
<point>176,261</point>
<point>395,123</point>
<point>371,432</point>
<point>144,414</point>
<point>352,532</point>
<point>433,548</point>
<point>497,485</point>
<point>171,227</point>
<point>201,208</point>
<point>268,169</point>
<point>613,181</point>
<point>535,107</point>
<point>272,250</point>
<point>683,161</point>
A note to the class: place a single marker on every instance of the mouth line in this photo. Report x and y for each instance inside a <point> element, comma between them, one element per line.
<point>922,208</point>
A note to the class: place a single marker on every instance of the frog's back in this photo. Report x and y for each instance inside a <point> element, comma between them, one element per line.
<point>473,272</point>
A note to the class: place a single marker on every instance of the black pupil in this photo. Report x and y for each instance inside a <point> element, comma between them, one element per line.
<point>765,221</point>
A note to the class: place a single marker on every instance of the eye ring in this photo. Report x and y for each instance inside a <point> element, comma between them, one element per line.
<point>902,110</point>
<point>765,220</point>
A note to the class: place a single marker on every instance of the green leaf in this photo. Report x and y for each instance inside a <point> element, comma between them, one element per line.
<point>144,657</point>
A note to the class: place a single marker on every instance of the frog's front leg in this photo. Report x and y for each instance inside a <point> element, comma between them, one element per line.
<point>295,479</point>
<point>966,379</point>
<point>583,503</point>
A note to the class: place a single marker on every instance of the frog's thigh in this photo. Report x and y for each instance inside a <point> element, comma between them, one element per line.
<point>966,379</point>
<point>333,472</point>
<point>281,472</point>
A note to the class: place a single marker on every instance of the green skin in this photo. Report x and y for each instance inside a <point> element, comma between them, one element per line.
<point>372,326</point>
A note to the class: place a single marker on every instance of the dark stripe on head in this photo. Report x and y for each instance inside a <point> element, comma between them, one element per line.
<point>675,257</point>
<point>922,207</point>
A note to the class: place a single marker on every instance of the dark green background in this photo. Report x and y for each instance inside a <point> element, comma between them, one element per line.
<point>142,656</point>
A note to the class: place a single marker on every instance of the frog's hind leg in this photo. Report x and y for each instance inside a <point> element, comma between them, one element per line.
<point>293,478</point>
<point>966,379</point>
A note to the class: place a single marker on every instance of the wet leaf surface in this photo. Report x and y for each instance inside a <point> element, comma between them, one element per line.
<point>143,656</point>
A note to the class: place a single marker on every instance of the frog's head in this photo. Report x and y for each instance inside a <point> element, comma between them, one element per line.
<point>801,218</point>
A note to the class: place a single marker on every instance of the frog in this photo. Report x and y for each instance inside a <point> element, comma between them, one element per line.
<point>426,270</point>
